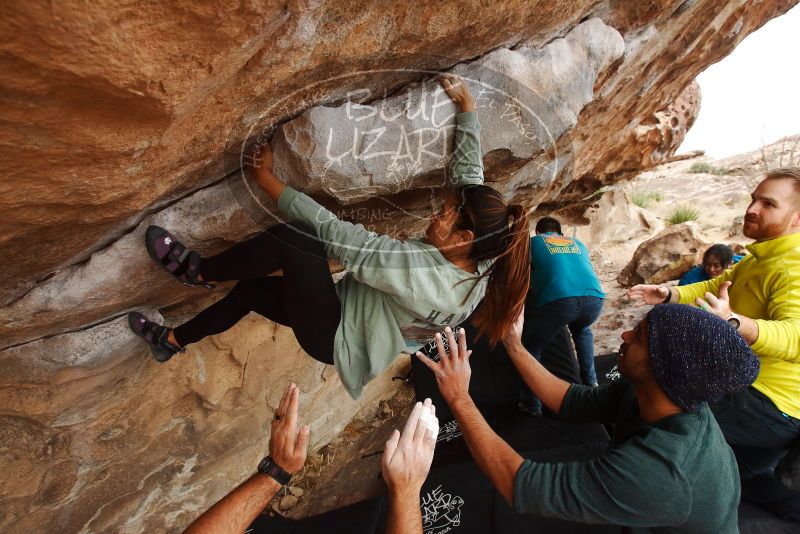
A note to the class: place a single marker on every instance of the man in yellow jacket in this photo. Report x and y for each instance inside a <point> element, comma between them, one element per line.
<point>760,297</point>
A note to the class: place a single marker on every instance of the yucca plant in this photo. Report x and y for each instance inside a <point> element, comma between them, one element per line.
<point>683,213</point>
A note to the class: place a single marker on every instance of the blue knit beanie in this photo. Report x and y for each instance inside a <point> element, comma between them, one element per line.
<point>696,356</point>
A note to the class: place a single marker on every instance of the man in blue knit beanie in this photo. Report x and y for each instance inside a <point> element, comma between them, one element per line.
<point>696,357</point>
<point>667,469</point>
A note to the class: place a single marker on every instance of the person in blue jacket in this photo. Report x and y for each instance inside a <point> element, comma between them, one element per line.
<point>564,291</point>
<point>716,260</point>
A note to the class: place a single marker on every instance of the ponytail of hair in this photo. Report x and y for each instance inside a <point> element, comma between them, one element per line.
<point>509,279</point>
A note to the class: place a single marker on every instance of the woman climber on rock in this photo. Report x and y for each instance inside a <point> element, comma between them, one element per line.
<point>395,294</point>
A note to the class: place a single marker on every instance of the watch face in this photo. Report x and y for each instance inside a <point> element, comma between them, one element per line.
<point>734,322</point>
<point>262,465</point>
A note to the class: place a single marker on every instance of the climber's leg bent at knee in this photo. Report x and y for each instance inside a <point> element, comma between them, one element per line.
<point>304,298</point>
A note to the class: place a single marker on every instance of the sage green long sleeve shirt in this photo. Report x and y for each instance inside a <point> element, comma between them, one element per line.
<point>674,475</point>
<point>396,294</point>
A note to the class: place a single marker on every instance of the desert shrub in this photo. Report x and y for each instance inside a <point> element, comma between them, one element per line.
<point>645,198</point>
<point>702,167</point>
<point>683,213</point>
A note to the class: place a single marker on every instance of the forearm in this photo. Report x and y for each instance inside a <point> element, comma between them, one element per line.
<point>404,513</point>
<point>777,338</point>
<point>494,456</point>
<point>748,329</point>
<point>550,389</point>
<point>688,294</point>
<point>467,164</point>
<point>268,181</point>
<point>234,513</point>
<point>674,295</point>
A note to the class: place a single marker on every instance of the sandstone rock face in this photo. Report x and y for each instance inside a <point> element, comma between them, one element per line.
<point>98,437</point>
<point>123,117</point>
<point>125,109</point>
<point>612,218</point>
<point>131,115</point>
<point>666,256</point>
<point>354,152</point>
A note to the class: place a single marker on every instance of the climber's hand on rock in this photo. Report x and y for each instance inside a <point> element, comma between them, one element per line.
<point>261,164</point>
<point>288,445</point>
<point>407,457</point>
<point>458,91</point>
<point>647,294</point>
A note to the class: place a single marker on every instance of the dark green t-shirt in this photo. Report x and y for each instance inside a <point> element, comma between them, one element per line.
<point>674,475</point>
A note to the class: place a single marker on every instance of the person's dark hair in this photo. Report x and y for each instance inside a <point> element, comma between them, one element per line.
<point>501,232</point>
<point>723,253</point>
<point>546,225</point>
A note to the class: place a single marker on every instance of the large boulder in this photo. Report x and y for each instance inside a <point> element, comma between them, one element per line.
<point>354,152</point>
<point>351,152</point>
<point>118,118</point>
<point>665,256</point>
<point>118,113</point>
<point>98,437</point>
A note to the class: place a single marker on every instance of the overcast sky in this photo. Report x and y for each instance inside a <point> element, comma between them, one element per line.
<point>753,95</point>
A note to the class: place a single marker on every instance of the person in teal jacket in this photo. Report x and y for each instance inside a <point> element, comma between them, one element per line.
<point>472,263</point>
<point>564,291</point>
<point>716,259</point>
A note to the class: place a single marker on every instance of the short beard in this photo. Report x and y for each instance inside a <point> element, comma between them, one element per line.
<point>770,231</point>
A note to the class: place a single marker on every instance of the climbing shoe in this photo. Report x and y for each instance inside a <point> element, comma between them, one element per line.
<point>173,256</point>
<point>155,335</point>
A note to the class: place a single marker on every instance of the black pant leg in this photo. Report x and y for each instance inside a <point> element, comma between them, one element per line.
<point>226,312</point>
<point>304,298</point>
<point>310,302</point>
<point>756,430</point>
<point>263,254</point>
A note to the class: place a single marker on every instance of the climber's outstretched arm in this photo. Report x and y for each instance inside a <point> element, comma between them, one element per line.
<point>466,166</point>
<point>262,172</point>
<point>288,447</point>
<point>458,91</point>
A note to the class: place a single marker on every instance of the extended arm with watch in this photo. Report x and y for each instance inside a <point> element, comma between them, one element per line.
<point>238,509</point>
<point>720,306</point>
<point>288,446</point>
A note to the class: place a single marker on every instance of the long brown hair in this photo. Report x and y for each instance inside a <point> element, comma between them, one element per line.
<point>501,233</point>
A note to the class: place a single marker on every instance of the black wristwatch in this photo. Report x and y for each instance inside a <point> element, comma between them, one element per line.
<point>669,296</point>
<point>269,467</point>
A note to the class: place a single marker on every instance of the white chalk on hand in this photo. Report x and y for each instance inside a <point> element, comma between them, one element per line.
<point>430,420</point>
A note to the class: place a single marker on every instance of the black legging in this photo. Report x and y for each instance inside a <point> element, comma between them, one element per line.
<point>303,298</point>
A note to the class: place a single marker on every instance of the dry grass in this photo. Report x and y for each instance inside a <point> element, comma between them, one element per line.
<point>706,168</point>
<point>643,198</point>
<point>683,213</point>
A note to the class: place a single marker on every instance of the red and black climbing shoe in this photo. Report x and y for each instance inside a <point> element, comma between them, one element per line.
<point>155,335</point>
<point>173,256</point>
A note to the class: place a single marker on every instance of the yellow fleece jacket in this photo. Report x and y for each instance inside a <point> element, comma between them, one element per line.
<point>766,287</point>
